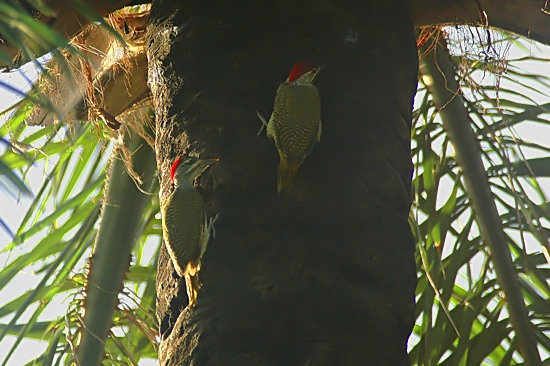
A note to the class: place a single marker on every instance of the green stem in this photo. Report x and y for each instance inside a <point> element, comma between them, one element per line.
<point>438,74</point>
<point>122,212</point>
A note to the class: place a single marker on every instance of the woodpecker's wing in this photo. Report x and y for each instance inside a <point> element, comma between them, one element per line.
<point>296,118</point>
<point>183,224</point>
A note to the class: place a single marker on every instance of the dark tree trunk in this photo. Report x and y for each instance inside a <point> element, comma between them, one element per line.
<point>324,275</point>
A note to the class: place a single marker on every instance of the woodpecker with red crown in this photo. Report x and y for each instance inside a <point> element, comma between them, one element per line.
<point>185,227</point>
<point>295,124</point>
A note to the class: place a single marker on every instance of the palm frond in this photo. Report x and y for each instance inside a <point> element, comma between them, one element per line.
<point>467,290</point>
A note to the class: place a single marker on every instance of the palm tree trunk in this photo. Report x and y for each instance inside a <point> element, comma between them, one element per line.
<point>325,274</point>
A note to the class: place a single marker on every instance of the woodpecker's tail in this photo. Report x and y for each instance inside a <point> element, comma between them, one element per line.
<point>285,175</point>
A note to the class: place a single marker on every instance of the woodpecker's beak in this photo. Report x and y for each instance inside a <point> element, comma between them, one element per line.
<point>317,69</point>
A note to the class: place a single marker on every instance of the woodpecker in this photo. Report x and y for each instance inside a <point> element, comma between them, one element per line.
<point>186,229</point>
<point>295,124</point>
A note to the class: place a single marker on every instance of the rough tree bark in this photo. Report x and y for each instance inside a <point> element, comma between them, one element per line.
<point>326,274</point>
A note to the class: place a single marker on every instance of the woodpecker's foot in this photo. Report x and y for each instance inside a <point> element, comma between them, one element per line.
<point>211,228</point>
<point>264,123</point>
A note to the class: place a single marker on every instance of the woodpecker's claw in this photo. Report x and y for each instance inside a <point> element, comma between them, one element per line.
<point>264,123</point>
<point>211,222</point>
